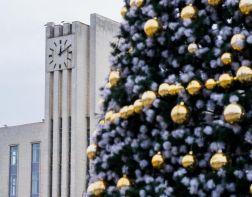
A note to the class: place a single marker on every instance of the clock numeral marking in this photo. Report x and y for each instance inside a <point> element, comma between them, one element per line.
<point>70,52</point>
<point>51,62</point>
<point>60,41</point>
<point>49,55</point>
<point>55,44</point>
<point>65,64</point>
<point>60,66</point>
<point>65,42</point>
<point>51,49</point>
<point>69,59</point>
<point>55,65</point>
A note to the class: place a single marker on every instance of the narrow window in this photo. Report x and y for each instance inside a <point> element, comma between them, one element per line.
<point>35,170</point>
<point>13,171</point>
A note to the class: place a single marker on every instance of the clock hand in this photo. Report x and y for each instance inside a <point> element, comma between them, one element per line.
<point>60,52</point>
<point>65,49</point>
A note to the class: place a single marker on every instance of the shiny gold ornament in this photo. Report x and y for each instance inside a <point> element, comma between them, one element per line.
<point>189,12</point>
<point>124,11</point>
<point>138,106</point>
<point>226,58</point>
<point>244,74</point>
<point>157,161</point>
<point>210,84</point>
<point>102,122</point>
<point>163,89</point>
<point>124,112</point>
<point>233,113</point>
<point>132,3</point>
<point>214,2</point>
<point>123,182</point>
<point>114,77</point>
<point>91,151</point>
<point>130,50</point>
<point>250,189</point>
<point>130,110</point>
<point>219,160</point>
<point>189,161</point>
<point>114,117</point>
<point>108,116</point>
<point>180,114</point>
<point>108,85</point>
<point>96,188</point>
<point>245,6</point>
<point>225,81</point>
<point>152,27</point>
<point>192,48</point>
<point>194,87</point>
<point>238,42</point>
<point>175,89</point>
<point>139,3</point>
<point>148,98</point>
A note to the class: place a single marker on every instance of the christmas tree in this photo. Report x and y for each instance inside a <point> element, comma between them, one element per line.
<point>178,102</point>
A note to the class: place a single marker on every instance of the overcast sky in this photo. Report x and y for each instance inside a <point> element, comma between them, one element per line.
<point>22,46</point>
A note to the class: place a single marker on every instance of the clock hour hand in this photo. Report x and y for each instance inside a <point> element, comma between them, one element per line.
<point>65,50</point>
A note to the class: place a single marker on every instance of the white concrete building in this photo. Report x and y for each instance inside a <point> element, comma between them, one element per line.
<point>47,159</point>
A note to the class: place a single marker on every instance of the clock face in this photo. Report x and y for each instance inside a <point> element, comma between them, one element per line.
<point>60,53</point>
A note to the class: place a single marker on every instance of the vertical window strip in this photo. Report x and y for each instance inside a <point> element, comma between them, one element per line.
<point>35,170</point>
<point>13,176</point>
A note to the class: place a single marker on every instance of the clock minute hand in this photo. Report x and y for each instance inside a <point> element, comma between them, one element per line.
<point>65,49</point>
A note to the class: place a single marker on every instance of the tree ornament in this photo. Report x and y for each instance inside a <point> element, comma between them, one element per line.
<point>132,3</point>
<point>194,87</point>
<point>108,85</point>
<point>175,89</point>
<point>124,112</point>
<point>148,98</point>
<point>189,12</point>
<point>210,84</point>
<point>138,106</point>
<point>245,6</point>
<point>192,48</point>
<point>180,113</point>
<point>130,110</point>
<point>139,3</point>
<point>219,160</point>
<point>114,117</point>
<point>101,122</point>
<point>96,188</point>
<point>214,2</point>
<point>250,189</point>
<point>238,42</point>
<point>244,74</point>
<point>123,182</point>
<point>233,113</point>
<point>189,161</point>
<point>226,58</point>
<point>114,78</point>
<point>91,151</point>
<point>157,161</point>
<point>108,116</point>
<point>124,11</point>
<point>163,89</point>
<point>152,27</point>
<point>225,81</point>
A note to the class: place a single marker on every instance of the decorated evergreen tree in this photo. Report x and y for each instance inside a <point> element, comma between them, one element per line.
<point>178,102</point>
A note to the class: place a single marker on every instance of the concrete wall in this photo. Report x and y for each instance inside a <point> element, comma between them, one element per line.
<point>23,136</point>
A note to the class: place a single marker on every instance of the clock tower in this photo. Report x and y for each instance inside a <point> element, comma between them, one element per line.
<point>67,62</point>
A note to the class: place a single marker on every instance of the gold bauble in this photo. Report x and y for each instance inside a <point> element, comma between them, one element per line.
<point>138,106</point>
<point>175,89</point>
<point>130,50</point>
<point>108,85</point>
<point>180,114</point>
<point>233,113</point>
<point>245,6</point>
<point>244,74</point>
<point>163,89</point>
<point>123,182</point>
<point>226,58</point>
<point>132,3</point>
<point>130,110</point>
<point>192,48</point>
<point>124,11</point>
<point>157,161</point>
<point>194,87</point>
<point>124,112</point>
<point>114,77</point>
<point>96,188</point>
<point>225,80</point>
<point>189,161</point>
<point>250,189</point>
<point>114,117</point>
<point>219,160</point>
<point>152,27</point>
<point>214,2</point>
<point>139,3</point>
<point>108,116</point>
<point>238,42</point>
<point>102,122</point>
<point>91,151</point>
<point>148,98</point>
<point>189,12</point>
<point>210,84</point>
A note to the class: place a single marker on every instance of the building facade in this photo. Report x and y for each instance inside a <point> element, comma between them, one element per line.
<point>48,159</point>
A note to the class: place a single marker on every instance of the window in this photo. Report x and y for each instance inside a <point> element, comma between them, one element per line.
<point>13,171</point>
<point>35,171</point>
